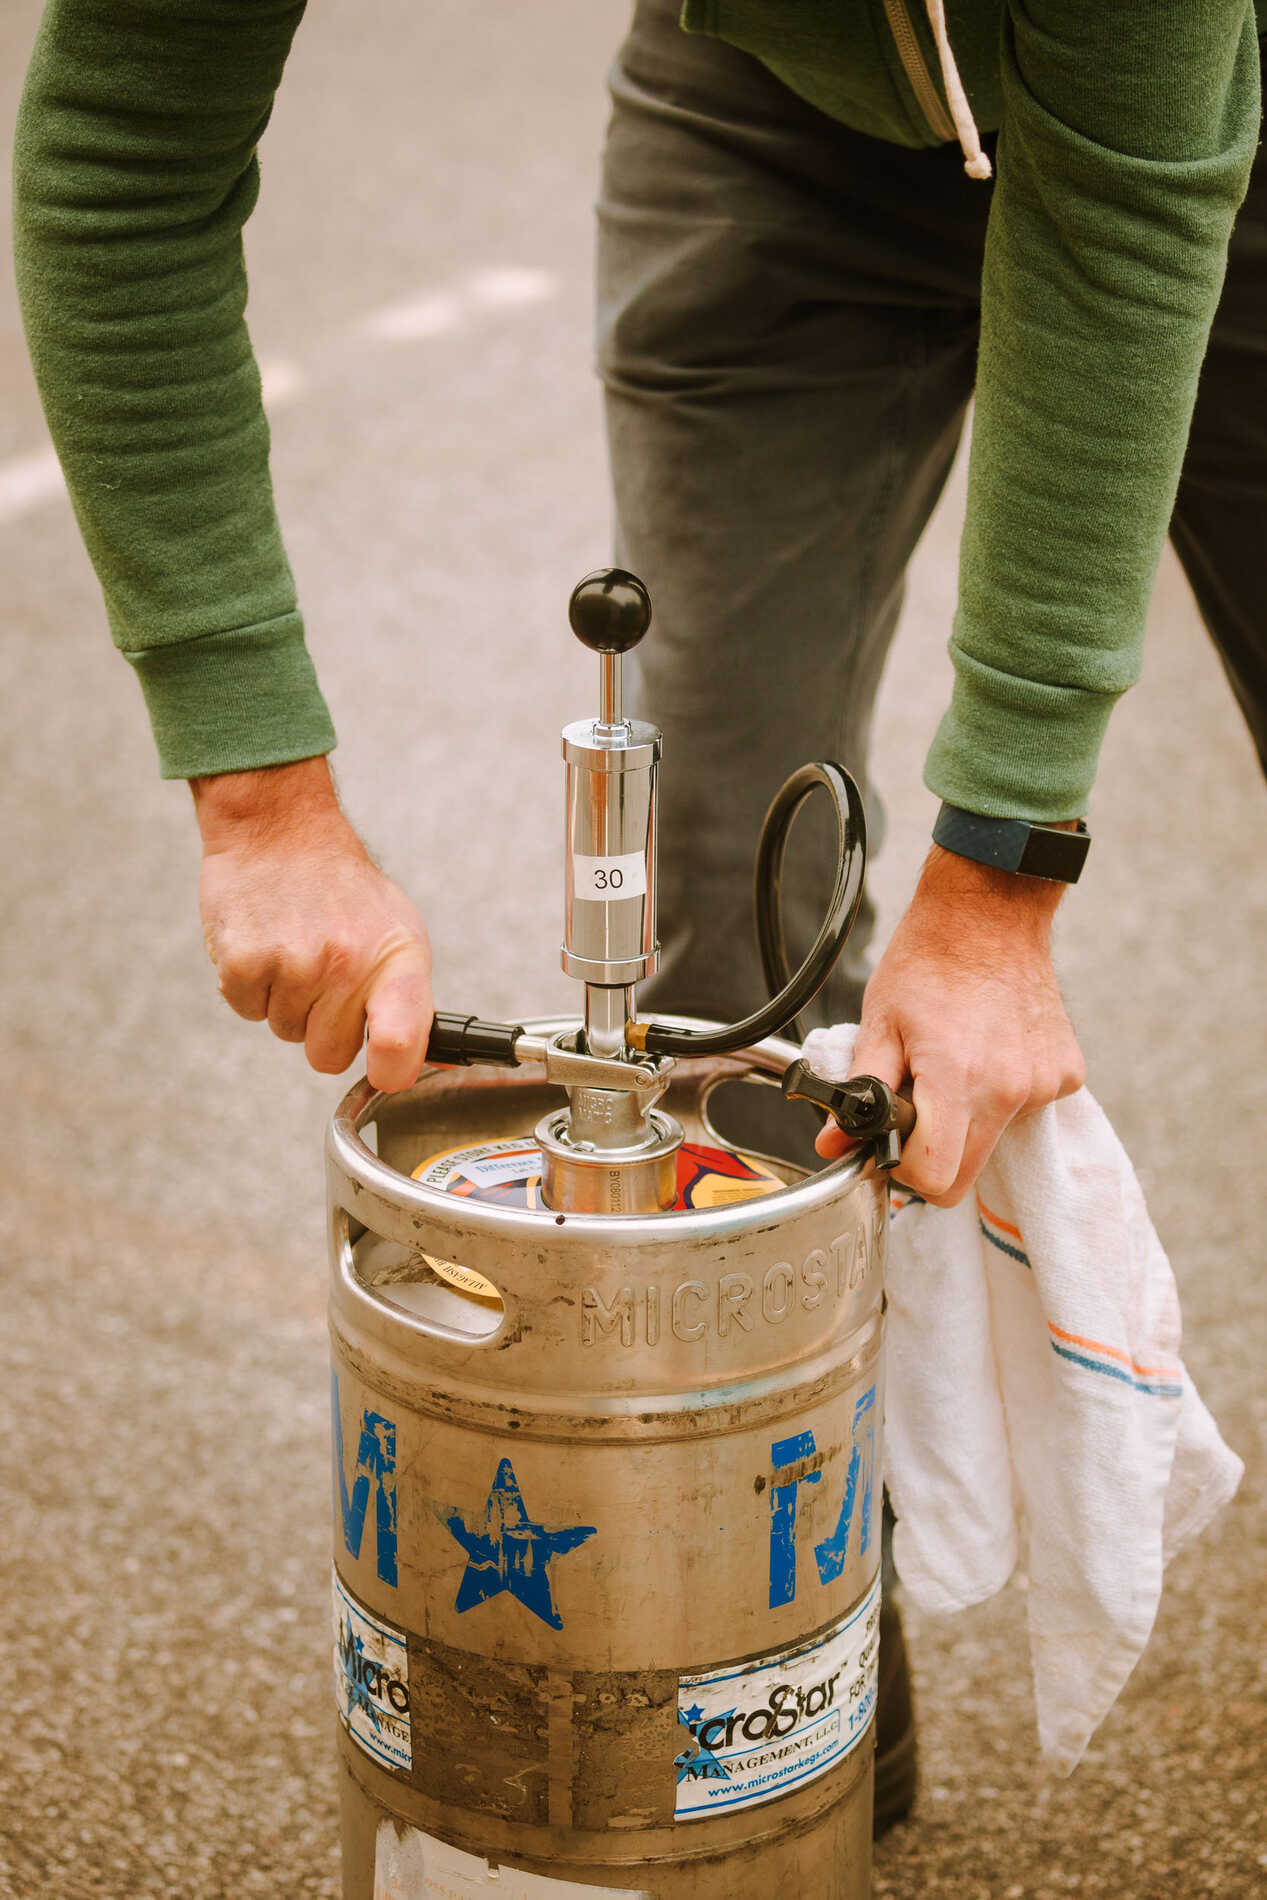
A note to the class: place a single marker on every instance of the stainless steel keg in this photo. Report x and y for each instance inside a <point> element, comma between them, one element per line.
<point>606,1543</point>
<point>606,1417</point>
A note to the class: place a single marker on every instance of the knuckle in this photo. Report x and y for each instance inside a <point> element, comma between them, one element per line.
<point>392,1040</point>
<point>956,1075</point>
<point>241,961</point>
<point>302,970</point>
<point>1057,1080</point>
<point>1046,1086</point>
<point>1011,1088</point>
<point>1075,1075</point>
<point>341,960</point>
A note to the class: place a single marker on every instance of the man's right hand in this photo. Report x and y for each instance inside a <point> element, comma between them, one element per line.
<point>304,929</point>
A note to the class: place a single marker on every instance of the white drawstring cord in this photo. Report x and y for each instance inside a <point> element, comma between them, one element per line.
<point>975,162</point>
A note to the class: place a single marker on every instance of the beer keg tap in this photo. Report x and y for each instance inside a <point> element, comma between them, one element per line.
<point>611,1149</point>
<point>609,908</point>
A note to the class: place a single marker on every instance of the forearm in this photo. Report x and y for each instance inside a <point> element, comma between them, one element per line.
<point>135,171</point>
<point>1128,137</point>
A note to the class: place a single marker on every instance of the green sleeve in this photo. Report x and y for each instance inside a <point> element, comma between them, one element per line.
<point>135,170</point>
<point>1125,149</point>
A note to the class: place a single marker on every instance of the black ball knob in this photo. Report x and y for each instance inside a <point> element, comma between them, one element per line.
<point>610,610</point>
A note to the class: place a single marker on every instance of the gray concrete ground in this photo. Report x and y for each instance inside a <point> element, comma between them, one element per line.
<point>421,262</point>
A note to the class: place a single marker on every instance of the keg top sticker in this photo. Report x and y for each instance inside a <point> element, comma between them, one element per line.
<point>371,1681</point>
<point>508,1172</point>
<point>760,1728</point>
<point>482,1172</point>
<point>718,1177</point>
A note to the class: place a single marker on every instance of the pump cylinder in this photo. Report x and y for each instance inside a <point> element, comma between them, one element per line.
<point>607,1528</point>
<point>609,852</point>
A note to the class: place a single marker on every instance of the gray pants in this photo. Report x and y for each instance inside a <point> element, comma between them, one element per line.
<point>787,333</point>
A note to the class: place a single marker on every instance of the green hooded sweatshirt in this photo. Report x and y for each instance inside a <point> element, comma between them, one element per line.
<point>1126,133</point>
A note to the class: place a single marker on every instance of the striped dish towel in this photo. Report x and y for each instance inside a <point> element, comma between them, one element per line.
<point>1037,1411</point>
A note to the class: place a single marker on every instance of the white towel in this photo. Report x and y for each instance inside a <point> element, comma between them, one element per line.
<point>1037,1409</point>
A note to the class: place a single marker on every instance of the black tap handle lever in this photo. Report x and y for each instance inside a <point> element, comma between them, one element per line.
<point>458,1041</point>
<point>864,1106</point>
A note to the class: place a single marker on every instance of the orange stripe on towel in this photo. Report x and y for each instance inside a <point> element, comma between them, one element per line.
<point>995,1221</point>
<point>1170,1371</point>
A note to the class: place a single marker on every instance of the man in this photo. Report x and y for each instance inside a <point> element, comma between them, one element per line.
<point>767,268</point>
<point>1128,135</point>
<point>794,275</point>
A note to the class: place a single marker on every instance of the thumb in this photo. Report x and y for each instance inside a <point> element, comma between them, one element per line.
<point>398,1012</point>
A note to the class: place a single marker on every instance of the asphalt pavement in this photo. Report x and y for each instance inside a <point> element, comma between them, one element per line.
<point>420,285</point>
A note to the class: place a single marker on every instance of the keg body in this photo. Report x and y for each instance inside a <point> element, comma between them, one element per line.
<point>606,1544</point>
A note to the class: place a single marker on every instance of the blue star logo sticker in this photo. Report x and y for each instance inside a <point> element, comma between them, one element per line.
<point>507,1551</point>
<point>352,1650</point>
<point>698,1763</point>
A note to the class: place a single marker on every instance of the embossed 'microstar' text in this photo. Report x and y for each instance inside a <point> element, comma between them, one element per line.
<point>734,1302</point>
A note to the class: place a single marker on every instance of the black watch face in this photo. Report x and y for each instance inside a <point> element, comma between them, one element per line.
<point>1054,854</point>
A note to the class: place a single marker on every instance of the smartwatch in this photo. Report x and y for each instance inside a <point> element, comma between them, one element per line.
<point>1014,844</point>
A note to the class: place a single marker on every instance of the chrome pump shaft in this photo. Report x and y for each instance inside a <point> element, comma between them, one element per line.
<point>611,1150</point>
<point>609,938</point>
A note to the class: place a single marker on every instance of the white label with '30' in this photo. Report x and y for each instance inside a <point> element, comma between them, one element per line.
<point>606,880</point>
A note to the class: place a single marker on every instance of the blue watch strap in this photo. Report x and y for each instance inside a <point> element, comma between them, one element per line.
<point>1014,844</point>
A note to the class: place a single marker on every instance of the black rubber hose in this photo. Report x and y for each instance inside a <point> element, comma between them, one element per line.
<point>795,993</point>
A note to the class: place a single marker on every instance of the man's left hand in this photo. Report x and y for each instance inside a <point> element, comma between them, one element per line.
<point>964,1004</point>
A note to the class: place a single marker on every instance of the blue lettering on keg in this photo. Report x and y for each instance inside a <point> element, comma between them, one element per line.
<point>858,1502</point>
<point>830,1555</point>
<point>784,1452</point>
<point>507,1551</point>
<point>375,1471</point>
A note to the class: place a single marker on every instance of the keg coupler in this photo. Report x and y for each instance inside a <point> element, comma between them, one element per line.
<point>610,1149</point>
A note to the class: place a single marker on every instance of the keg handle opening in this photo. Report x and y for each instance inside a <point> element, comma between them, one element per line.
<point>448,1302</point>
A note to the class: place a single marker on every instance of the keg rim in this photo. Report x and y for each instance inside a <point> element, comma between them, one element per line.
<point>357,1161</point>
